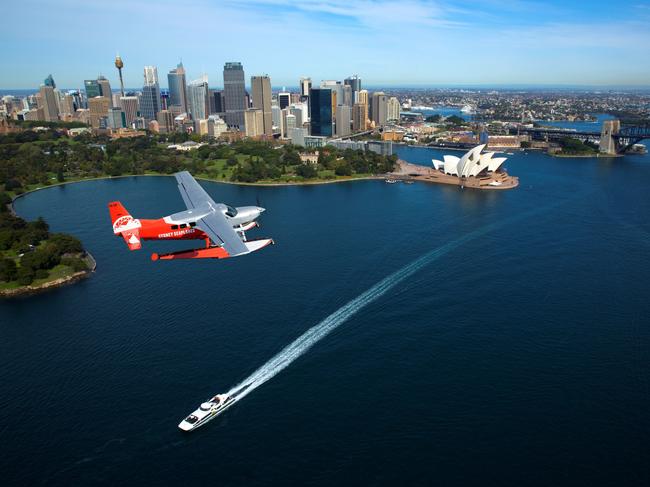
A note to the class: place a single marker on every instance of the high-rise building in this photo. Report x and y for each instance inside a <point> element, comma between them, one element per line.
<point>320,103</point>
<point>360,117</point>
<point>298,111</point>
<point>261,86</point>
<point>92,88</point>
<point>150,75</point>
<point>379,108</point>
<point>234,94</point>
<point>165,121</point>
<point>305,86</point>
<point>98,108</point>
<point>105,88</point>
<point>47,102</point>
<point>284,100</point>
<point>66,104</point>
<point>150,99</point>
<point>276,114</point>
<point>347,96</point>
<point>116,118</point>
<point>164,100</point>
<point>342,120</point>
<point>177,88</point>
<point>289,122</point>
<point>354,82</point>
<point>363,97</point>
<point>217,105</point>
<point>199,103</point>
<point>393,109</point>
<point>254,122</point>
<point>131,108</point>
<point>49,81</point>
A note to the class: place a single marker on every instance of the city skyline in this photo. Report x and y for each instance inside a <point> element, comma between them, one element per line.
<point>412,43</point>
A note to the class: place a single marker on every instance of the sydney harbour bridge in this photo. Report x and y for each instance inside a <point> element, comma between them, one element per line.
<point>614,137</point>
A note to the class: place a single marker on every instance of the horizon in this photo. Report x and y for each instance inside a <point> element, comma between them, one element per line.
<point>417,43</point>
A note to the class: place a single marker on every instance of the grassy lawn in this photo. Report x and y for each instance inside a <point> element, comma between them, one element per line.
<point>55,273</point>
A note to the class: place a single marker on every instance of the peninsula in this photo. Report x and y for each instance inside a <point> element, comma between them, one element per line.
<point>32,259</point>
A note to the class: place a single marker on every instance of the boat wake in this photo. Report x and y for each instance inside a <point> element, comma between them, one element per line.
<point>312,336</point>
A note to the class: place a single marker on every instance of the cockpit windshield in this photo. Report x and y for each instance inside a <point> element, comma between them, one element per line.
<point>231,212</point>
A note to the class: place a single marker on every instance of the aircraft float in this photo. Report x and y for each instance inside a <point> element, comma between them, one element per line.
<point>222,227</point>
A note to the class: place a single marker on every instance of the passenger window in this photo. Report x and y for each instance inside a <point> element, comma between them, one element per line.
<point>192,224</point>
<point>183,225</point>
<point>174,227</point>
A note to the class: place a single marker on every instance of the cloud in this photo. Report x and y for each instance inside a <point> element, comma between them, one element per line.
<point>385,41</point>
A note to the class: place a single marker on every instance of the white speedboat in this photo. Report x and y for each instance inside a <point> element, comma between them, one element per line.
<point>390,181</point>
<point>207,411</point>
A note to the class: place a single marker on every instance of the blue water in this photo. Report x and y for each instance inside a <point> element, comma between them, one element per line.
<point>514,352</point>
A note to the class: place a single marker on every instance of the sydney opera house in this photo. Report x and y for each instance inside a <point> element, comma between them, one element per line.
<point>473,170</point>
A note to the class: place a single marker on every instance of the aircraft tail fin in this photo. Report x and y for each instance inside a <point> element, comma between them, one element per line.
<point>125,225</point>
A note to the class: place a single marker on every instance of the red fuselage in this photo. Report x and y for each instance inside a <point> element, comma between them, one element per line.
<point>161,230</point>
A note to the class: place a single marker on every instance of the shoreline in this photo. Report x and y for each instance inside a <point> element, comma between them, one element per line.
<point>236,183</point>
<point>30,289</point>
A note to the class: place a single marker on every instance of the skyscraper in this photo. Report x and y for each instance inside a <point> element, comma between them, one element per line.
<point>199,103</point>
<point>354,82</point>
<point>342,120</point>
<point>47,102</point>
<point>234,94</point>
<point>359,117</point>
<point>305,86</point>
<point>284,100</point>
<point>105,88</point>
<point>363,97</point>
<point>131,108</point>
<point>49,81</point>
<point>150,100</point>
<point>115,118</point>
<point>347,96</point>
<point>254,122</point>
<point>320,102</point>
<point>150,75</point>
<point>261,86</point>
<point>379,108</point>
<point>98,108</point>
<point>92,88</point>
<point>177,88</point>
<point>393,109</point>
<point>217,102</point>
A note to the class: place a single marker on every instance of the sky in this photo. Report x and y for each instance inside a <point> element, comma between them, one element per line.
<point>387,43</point>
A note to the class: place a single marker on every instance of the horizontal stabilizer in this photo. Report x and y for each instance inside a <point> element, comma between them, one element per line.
<point>132,239</point>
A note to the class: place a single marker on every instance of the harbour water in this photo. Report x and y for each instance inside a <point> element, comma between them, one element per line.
<point>517,356</point>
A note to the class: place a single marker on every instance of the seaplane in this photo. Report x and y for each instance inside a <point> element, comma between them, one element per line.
<point>220,226</point>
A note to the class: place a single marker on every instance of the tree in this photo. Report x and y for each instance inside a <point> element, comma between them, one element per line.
<point>433,118</point>
<point>455,120</point>
<point>307,171</point>
<point>343,168</point>
<point>25,276</point>
<point>4,201</point>
<point>291,158</point>
<point>8,270</point>
<point>65,244</point>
